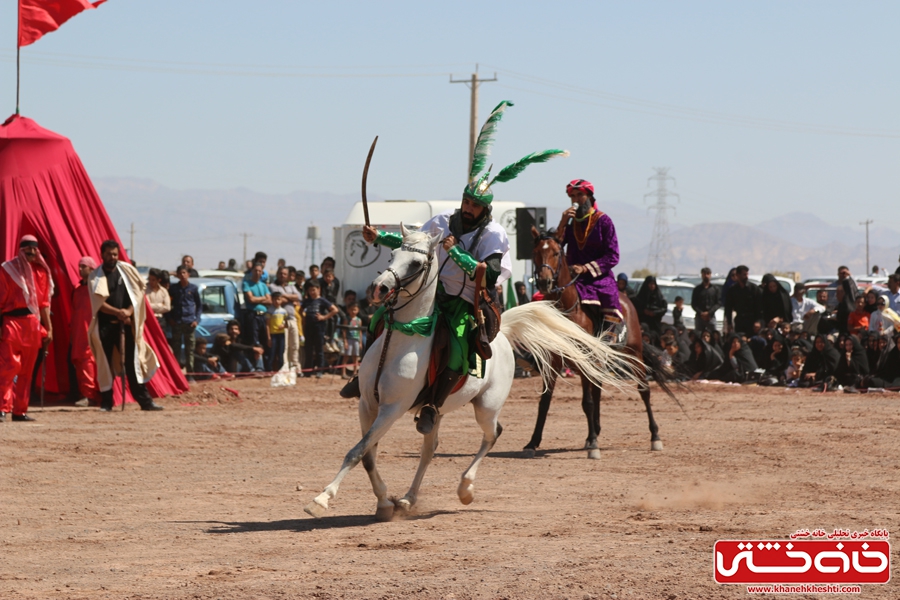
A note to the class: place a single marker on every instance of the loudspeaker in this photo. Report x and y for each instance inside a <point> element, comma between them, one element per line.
<point>525,219</point>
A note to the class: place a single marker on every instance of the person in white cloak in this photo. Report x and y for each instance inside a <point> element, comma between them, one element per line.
<point>117,301</point>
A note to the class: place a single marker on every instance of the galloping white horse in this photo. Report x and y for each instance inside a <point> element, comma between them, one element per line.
<point>536,327</point>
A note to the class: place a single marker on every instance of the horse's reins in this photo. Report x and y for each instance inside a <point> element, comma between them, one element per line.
<point>390,304</point>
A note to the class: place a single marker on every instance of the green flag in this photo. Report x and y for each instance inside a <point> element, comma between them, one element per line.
<point>511,300</point>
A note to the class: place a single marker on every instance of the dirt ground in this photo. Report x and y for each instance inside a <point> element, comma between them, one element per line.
<point>205,499</point>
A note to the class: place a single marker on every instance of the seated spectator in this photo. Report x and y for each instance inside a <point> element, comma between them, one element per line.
<point>704,361</point>
<point>886,373</point>
<point>232,265</point>
<point>236,356</point>
<point>792,373</point>
<point>820,363</point>
<point>739,366</point>
<point>858,320</point>
<point>187,261</point>
<point>853,364</point>
<point>221,266</point>
<point>777,361</point>
<point>205,363</point>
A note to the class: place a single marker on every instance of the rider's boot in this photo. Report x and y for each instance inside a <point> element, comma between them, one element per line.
<point>444,385</point>
<point>612,327</point>
<point>351,390</point>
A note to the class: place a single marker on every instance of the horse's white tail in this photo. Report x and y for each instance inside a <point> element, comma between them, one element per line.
<point>539,328</point>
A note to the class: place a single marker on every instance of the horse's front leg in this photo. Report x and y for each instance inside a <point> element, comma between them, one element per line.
<point>386,416</point>
<point>429,446</point>
<point>543,408</point>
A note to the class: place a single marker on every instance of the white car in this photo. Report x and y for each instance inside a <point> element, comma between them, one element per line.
<point>670,289</point>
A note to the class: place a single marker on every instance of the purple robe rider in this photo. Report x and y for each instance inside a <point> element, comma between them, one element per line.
<point>592,250</point>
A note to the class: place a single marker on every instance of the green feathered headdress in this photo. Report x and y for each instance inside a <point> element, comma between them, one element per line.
<point>479,188</point>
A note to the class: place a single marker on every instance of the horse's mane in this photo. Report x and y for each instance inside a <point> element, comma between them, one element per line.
<point>417,237</point>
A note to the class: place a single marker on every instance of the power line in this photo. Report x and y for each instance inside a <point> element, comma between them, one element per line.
<point>473,84</point>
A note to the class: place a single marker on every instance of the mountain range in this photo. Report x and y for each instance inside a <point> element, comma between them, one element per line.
<point>209,224</point>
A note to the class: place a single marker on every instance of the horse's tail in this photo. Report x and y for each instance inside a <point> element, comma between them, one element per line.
<point>540,329</point>
<point>656,372</point>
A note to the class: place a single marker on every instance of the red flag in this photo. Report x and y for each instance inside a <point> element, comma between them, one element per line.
<point>37,17</point>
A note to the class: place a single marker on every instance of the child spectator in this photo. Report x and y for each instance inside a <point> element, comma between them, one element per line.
<point>792,373</point>
<point>677,321</point>
<point>277,322</point>
<point>206,363</point>
<point>352,335</point>
<point>858,320</point>
<point>316,310</point>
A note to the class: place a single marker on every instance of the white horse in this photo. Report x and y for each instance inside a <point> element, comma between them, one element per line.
<point>536,327</point>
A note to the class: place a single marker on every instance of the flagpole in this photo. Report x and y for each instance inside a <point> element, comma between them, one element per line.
<point>18,51</point>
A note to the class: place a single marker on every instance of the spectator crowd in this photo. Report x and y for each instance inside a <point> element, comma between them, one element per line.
<point>846,339</point>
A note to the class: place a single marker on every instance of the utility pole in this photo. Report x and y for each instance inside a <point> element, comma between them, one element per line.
<point>245,235</point>
<point>660,254</point>
<point>472,84</point>
<point>131,244</point>
<point>867,222</point>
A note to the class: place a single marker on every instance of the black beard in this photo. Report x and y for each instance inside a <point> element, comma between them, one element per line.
<point>582,210</point>
<point>467,220</point>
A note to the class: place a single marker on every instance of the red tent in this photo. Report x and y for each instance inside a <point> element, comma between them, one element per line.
<point>45,191</point>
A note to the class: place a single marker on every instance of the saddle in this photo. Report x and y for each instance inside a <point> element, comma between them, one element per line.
<point>487,313</point>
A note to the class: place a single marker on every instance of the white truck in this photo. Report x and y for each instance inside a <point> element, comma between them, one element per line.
<point>358,263</point>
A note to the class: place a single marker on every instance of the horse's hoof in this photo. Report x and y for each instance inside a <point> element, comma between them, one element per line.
<point>385,513</point>
<point>466,491</point>
<point>594,453</point>
<point>528,452</point>
<point>402,506</point>
<point>588,445</point>
<point>314,509</point>
<point>656,445</point>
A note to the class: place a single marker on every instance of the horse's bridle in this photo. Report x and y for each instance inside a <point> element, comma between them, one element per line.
<point>400,283</point>
<point>554,272</point>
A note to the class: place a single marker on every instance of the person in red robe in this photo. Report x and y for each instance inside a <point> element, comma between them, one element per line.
<point>25,290</point>
<point>82,357</point>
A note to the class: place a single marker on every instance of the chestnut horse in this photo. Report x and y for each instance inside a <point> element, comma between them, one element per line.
<point>553,279</point>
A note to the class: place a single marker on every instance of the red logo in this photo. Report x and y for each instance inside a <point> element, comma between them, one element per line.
<point>802,561</point>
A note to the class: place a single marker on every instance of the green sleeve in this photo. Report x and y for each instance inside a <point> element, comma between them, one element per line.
<point>389,240</point>
<point>464,260</point>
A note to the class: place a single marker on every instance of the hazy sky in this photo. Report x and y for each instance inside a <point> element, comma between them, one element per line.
<point>759,108</point>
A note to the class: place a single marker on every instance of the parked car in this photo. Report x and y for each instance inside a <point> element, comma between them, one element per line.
<point>221,300</point>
